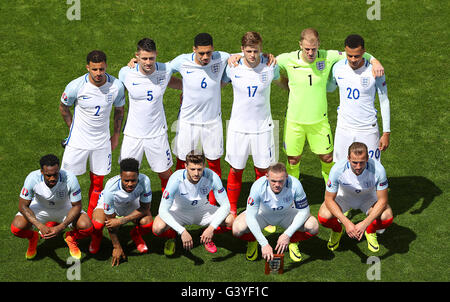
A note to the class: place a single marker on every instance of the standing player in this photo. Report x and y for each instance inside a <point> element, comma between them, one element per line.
<point>307,73</point>
<point>51,194</point>
<point>250,130</point>
<point>277,199</point>
<point>126,198</point>
<point>146,127</point>
<point>200,116</point>
<point>357,116</point>
<point>92,96</point>
<point>185,202</point>
<point>358,182</point>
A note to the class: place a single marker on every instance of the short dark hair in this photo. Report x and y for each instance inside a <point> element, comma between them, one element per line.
<point>203,39</point>
<point>96,56</point>
<point>354,41</point>
<point>195,157</point>
<point>129,165</point>
<point>146,44</point>
<point>49,160</point>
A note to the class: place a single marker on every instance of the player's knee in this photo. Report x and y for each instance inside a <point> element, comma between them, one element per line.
<point>165,174</point>
<point>84,222</point>
<point>387,213</point>
<point>312,225</point>
<point>293,160</point>
<point>326,158</point>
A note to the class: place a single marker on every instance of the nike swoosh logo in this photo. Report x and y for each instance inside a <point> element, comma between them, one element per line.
<point>296,256</point>
<point>189,71</point>
<point>374,247</point>
<point>134,84</point>
<point>252,255</point>
<point>236,76</point>
<point>86,97</point>
<point>340,78</point>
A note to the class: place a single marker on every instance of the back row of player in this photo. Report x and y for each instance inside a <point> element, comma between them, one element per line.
<point>200,114</point>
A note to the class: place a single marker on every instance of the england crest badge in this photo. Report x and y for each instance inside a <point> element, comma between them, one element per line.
<point>365,82</point>
<point>215,67</point>
<point>320,65</point>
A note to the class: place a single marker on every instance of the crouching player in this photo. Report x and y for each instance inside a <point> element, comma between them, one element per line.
<point>184,202</point>
<point>126,198</point>
<point>51,195</point>
<point>356,183</point>
<point>276,199</point>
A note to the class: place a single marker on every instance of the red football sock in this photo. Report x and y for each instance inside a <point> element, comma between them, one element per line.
<point>80,234</point>
<point>98,228</point>
<point>164,182</point>
<point>215,166</point>
<point>247,237</point>
<point>301,236</point>
<point>379,224</point>
<point>181,164</point>
<point>259,173</point>
<point>332,223</point>
<point>170,233</point>
<point>222,229</point>
<point>94,192</point>
<point>144,228</point>
<point>234,185</point>
<point>21,233</point>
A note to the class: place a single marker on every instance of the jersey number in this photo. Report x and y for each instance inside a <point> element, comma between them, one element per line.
<point>150,95</point>
<point>352,93</point>
<point>98,110</point>
<point>375,153</point>
<point>310,79</point>
<point>252,91</point>
<point>203,83</point>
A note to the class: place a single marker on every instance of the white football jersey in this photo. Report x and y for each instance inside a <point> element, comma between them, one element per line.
<point>263,201</point>
<point>357,89</point>
<point>251,96</point>
<point>146,117</point>
<point>92,110</point>
<point>182,195</point>
<point>66,190</point>
<point>201,102</point>
<point>116,199</point>
<point>357,188</point>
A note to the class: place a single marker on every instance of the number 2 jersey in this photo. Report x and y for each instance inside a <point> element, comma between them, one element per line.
<point>66,190</point>
<point>92,110</point>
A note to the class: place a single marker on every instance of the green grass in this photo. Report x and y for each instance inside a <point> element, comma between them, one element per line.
<point>42,51</point>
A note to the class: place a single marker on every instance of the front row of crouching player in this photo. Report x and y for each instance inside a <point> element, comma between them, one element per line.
<point>50,201</point>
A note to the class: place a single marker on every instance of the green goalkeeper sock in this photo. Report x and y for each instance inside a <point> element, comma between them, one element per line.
<point>326,167</point>
<point>293,170</point>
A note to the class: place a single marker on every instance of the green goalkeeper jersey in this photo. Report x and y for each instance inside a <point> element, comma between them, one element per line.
<point>307,84</point>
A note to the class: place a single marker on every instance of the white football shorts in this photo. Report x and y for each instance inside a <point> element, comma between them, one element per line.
<point>344,137</point>
<point>75,160</point>
<point>44,214</point>
<point>202,216</point>
<point>207,137</point>
<point>124,210</point>
<point>156,149</point>
<point>240,145</point>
